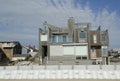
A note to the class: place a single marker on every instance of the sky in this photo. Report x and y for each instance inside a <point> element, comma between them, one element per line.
<point>20,19</point>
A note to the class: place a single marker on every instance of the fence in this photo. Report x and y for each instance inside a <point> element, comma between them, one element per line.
<point>61,72</point>
<point>62,67</point>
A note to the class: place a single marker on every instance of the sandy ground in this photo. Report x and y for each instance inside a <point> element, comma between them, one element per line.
<point>59,80</point>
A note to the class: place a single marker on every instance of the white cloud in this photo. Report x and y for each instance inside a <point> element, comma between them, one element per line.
<point>24,17</point>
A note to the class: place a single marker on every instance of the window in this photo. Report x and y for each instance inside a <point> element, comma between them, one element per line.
<point>82,34</point>
<point>84,58</point>
<point>104,39</point>
<point>93,49</point>
<point>44,37</point>
<point>64,39</point>
<point>78,58</point>
<point>55,39</point>
<point>95,38</point>
<point>104,52</point>
<point>55,31</point>
<point>60,38</point>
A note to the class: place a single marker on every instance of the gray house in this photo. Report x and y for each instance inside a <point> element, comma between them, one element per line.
<point>75,42</point>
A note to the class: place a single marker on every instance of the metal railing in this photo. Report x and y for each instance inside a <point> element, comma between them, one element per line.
<point>60,40</point>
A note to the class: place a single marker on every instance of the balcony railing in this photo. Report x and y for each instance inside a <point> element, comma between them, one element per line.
<point>60,40</point>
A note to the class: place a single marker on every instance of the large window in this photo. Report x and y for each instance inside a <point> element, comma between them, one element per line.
<point>104,52</point>
<point>82,35</point>
<point>104,39</point>
<point>64,39</point>
<point>95,38</point>
<point>55,30</point>
<point>55,39</point>
<point>59,38</point>
<point>44,37</point>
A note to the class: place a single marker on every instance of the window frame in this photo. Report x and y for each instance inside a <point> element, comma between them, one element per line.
<point>83,33</point>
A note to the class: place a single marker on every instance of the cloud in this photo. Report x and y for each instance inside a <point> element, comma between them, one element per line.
<point>23,18</point>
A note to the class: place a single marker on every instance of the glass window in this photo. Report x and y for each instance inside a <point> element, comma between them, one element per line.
<point>93,49</point>
<point>104,52</point>
<point>82,34</point>
<point>60,38</point>
<point>78,57</point>
<point>95,38</point>
<point>54,39</point>
<point>103,39</point>
<point>84,57</point>
<point>64,39</point>
<point>55,31</point>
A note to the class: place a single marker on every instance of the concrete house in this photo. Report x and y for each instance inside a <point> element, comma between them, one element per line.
<point>8,49</point>
<point>75,42</point>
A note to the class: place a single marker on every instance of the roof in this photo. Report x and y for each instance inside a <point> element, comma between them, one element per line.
<point>9,41</point>
<point>33,48</point>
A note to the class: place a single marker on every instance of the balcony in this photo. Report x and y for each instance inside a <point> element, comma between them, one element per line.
<point>60,40</point>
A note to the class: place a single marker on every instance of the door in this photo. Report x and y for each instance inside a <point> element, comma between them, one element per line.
<point>93,53</point>
<point>81,50</point>
<point>68,50</point>
<point>44,51</point>
<point>56,50</point>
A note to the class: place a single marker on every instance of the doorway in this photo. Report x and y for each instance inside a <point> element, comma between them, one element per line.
<point>93,53</point>
<point>44,51</point>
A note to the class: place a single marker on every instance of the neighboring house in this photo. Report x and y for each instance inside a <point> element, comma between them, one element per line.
<point>115,52</point>
<point>77,41</point>
<point>32,50</point>
<point>9,48</point>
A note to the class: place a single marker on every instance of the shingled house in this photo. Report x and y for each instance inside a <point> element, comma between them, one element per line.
<point>8,49</point>
<point>77,41</point>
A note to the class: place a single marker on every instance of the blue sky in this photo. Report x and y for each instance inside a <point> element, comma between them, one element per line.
<point>112,5</point>
<point>20,19</point>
